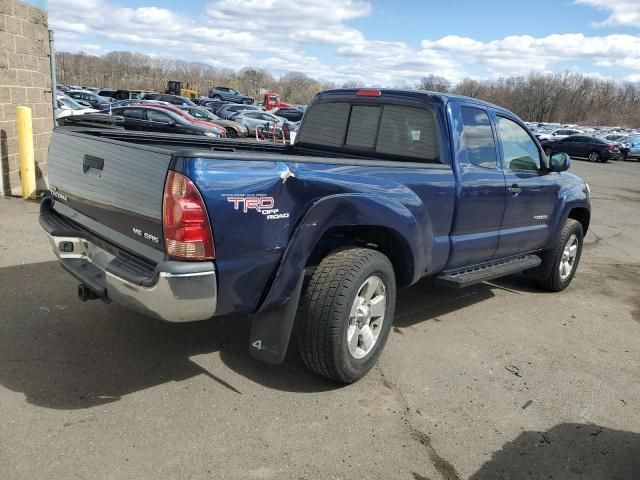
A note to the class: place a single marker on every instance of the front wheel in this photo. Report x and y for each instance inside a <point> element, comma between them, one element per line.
<point>559,264</point>
<point>231,133</point>
<point>247,101</point>
<point>345,314</point>
<point>216,97</point>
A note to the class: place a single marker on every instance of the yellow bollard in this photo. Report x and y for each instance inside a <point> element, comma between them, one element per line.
<point>25,150</point>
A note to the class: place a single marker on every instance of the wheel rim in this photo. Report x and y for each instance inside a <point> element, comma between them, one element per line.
<point>569,255</point>
<point>593,156</point>
<point>366,317</point>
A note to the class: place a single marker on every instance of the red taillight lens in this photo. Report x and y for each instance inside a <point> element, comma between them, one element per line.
<point>187,233</point>
<point>368,92</point>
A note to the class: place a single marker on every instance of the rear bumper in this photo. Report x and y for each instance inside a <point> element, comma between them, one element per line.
<point>172,291</point>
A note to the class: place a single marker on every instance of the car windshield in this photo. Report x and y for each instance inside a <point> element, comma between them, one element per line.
<point>201,112</point>
<point>71,103</point>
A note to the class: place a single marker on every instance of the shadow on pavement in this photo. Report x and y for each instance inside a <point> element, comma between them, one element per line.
<point>62,353</point>
<point>568,451</point>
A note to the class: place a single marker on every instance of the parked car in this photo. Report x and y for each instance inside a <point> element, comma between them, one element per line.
<point>133,101</point>
<point>633,143</point>
<point>320,233</point>
<point>253,119</point>
<point>559,133</point>
<point>119,94</point>
<point>233,129</point>
<point>592,148</point>
<point>184,114</point>
<point>212,105</point>
<point>150,118</point>
<point>229,95</point>
<point>168,98</point>
<point>229,110</point>
<point>94,100</point>
<point>68,106</point>
<point>291,114</point>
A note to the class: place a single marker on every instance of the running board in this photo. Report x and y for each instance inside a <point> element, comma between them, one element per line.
<point>464,278</point>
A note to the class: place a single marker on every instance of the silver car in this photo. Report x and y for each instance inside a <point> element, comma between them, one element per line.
<point>254,119</point>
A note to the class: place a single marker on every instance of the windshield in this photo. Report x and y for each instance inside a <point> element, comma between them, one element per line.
<point>202,113</point>
<point>71,103</point>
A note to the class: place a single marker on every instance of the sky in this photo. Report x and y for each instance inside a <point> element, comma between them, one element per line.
<point>378,42</point>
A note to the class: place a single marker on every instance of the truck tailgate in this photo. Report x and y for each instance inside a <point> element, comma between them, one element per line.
<point>111,188</point>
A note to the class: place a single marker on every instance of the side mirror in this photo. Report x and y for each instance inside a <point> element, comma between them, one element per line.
<point>559,162</point>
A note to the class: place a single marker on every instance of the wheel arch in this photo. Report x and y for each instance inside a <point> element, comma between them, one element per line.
<point>349,220</point>
<point>582,215</point>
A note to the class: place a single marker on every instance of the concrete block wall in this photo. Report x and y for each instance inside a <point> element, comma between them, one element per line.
<point>25,79</point>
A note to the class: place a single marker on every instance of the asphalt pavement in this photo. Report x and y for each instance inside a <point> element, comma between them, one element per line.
<point>498,381</point>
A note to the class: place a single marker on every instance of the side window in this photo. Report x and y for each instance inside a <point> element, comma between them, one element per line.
<point>137,113</point>
<point>478,137</point>
<point>156,116</point>
<point>518,149</point>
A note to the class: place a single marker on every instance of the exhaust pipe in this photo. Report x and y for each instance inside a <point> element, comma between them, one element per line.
<point>85,293</point>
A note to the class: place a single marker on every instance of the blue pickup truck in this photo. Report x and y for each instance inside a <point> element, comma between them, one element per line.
<point>381,189</point>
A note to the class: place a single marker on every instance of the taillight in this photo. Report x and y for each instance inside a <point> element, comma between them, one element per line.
<point>187,233</point>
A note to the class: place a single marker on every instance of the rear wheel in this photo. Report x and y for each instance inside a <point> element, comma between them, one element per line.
<point>345,314</point>
<point>594,156</point>
<point>559,264</point>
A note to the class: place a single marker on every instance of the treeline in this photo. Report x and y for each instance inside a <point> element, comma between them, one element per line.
<point>567,97</point>
<point>135,71</point>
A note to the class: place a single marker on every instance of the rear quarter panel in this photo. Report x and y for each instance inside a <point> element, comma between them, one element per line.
<point>250,245</point>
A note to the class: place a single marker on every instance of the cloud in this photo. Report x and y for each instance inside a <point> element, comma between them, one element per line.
<point>623,12</point>
<point>522,53</point>
<point>278,35</point>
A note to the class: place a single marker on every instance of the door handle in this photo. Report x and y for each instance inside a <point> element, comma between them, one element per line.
<point>515,189</point>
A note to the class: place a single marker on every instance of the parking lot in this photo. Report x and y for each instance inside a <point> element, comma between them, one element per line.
<point>499,381</point>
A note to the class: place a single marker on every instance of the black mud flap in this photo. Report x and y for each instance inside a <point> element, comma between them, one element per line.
<point>271,330</point>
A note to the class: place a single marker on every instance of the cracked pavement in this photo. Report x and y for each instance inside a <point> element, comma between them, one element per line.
<point>498,381</point>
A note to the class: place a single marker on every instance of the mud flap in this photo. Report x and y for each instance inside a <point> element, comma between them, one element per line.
<point>271,330</point>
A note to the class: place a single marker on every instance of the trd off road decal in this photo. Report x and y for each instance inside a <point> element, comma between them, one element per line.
<point>258,202</point>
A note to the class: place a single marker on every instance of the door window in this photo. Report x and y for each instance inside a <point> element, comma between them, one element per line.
<point>156,116</point>
<point>477,136</point>
<point>136,113</point>
<point>519,151</point>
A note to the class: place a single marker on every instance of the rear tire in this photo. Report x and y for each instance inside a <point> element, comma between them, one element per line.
<point>594,157</point>
<point>559,264</point>
<point>342,324</point>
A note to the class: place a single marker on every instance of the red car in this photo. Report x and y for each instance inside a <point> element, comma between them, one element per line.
<point>185,115</point>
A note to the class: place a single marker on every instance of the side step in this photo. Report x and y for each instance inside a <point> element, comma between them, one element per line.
<point>464,278</point>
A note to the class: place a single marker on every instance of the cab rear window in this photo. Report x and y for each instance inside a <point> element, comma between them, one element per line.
<point>381,130</point>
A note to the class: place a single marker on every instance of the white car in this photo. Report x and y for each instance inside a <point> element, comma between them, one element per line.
<point>559,133</point>
<point>67,106</point>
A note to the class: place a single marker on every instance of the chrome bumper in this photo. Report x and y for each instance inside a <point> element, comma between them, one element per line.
<point>175,292</point>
